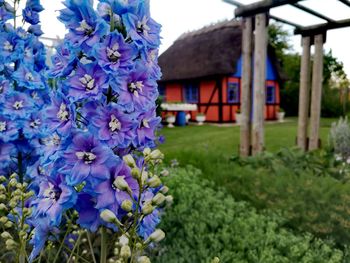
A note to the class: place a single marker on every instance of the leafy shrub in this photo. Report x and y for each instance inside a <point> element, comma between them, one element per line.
<point>205,222</point>
<point>339,138</point>
<point>306,187</point>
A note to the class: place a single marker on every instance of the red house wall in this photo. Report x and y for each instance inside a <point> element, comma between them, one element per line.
<point>209,99</point>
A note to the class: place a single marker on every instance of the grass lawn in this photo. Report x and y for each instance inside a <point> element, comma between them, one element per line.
<point>209,147</point>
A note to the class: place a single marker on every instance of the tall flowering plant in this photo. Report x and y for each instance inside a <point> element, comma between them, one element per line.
<point>99,171</point>
<point>23,95</point>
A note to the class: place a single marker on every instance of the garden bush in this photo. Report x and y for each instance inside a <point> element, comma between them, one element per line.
<point>308,188</point>
<point>205,222</point>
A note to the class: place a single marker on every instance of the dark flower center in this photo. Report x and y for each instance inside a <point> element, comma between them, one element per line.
<point>52,192</point>
<point>3,126</point>
<point>113,53</point>
<point>88,82</point>
<point>85,28</point>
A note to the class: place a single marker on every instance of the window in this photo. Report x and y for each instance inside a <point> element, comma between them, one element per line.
<point>270,95</point>
<point>232,92</point>
<point>191,93</point>
<point>162,91</point>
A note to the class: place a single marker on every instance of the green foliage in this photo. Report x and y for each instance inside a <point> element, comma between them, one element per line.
<point>205,222</point>
<point>308,189</point>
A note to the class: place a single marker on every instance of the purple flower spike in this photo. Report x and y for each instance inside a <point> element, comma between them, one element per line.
<point>85,157</point>
<point>18,105</point>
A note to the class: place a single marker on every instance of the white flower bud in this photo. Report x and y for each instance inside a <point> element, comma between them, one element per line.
<point>158,199</point>
<point>154,182</point>
<point>3,207</point>
<point>2,197</point>
<point>6,235</point>
<point>164,172</point>
<point>108,216</point>
<point>2,188</point>
<point>10,243</point>
<point>123,240</point>
<point>157,236</point>
<point>156,154</point>
<point>215,260</point>
<point>2,179</point>
<point>127,205</point>
<point>3,219</point>
<point>164,189</point>
<point>169,199</point>
<point>8,224</point>
<point>129,160</point>
<point>135,173</point>
<point>84,252</point>
<point>13,182</point>
<point>125,251</point>
<point>146,151</point>
<point>120,183</point>
<point>13,175</point>
<point>143,259</point>
<point>116,251</point>
<point>147,208</point>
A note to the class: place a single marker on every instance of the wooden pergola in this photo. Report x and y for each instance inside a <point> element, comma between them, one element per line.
<point>257,14</point>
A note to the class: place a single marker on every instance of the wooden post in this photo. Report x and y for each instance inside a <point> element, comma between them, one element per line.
<point>316,94</point>
<point>260,54</point>
<point>247,44</point>
<point>304,94</point>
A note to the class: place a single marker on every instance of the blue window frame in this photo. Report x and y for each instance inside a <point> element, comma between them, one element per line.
<point>233,95</point>
<point>270,95</point>
<point>191,93</point>
<point>162,92</point>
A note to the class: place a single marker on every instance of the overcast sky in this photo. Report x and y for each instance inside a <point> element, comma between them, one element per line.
<point>179,16</point>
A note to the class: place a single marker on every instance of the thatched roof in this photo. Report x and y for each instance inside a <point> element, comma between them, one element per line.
<point>211,51</point>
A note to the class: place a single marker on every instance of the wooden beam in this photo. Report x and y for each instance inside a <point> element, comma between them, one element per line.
<point>260,55</point>
<point>304,94</point>
<point>345,2</point>
<point>313,12</point>
<point>316,94</point>
<point>320,28</point>
<point>261,7</point>
<point>246,87</point>
<point>236,3</point>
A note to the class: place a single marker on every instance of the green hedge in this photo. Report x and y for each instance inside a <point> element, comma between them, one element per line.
<point>307,188</point>
<point>205,222</point>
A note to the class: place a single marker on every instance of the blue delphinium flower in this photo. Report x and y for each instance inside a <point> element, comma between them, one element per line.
<point>23,94</point>
<point>103,110</point>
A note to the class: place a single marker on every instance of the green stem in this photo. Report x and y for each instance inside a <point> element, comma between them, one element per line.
<point>91,248</point>
<point>103,245</point>
<point>61,246</point>
<point>75,246</point>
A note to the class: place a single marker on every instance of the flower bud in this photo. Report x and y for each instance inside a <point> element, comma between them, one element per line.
<point>123,240</point>
<point>125,251</point>
<point>2,179</point>
<point>164,172</point>
<point>164,189</point>
<point>116,251</point>
<point>2,188</point>
<point>108,216</point>
<point>13,175</point>
<point>135,173</point>
<point>143,259</point>
<point>2,197</point>
<point>6,235</point>
<point>8,224</point>
<point>3,207</point>
<point>10,244</point>
<point>129,160</point>
<point>127,205</point>
<point>13,182</point>
<point>215,260</point>
<point>3,219</point>
<point>156,154</point>
<point>154,182</point>
<point>157,236</point>
<point>147,208</point>
<point>120,183</point>
<point>146,151</point>
<point>158,199</point>
<point>169,199</point>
